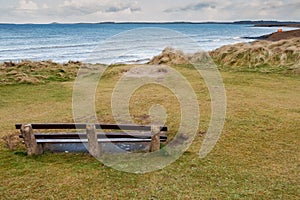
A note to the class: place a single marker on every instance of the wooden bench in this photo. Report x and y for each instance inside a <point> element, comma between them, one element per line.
<point>36,143</point>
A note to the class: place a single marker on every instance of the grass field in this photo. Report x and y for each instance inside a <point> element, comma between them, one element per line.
<point>257,156</point>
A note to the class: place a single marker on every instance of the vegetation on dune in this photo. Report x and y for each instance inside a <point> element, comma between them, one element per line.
<point>263,56</point>
<point>30,72</point>
<point>260,56</point>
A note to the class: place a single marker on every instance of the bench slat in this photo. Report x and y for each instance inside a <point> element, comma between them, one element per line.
<point>39,141</point>
<point>99,135</point>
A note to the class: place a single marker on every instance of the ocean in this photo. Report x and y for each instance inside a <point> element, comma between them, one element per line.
<point>116,43</point>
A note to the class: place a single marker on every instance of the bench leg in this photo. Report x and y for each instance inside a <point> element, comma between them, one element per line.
<point>94,147</point>
<point>155,138</point>
<point>32,147</point>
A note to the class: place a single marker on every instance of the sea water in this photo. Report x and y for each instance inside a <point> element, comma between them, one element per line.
<point>109,41</point>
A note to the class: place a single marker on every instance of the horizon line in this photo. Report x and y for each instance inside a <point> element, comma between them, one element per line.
<point>162,22</point>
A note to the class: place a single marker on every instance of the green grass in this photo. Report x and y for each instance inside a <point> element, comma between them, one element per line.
<point>257,156</point>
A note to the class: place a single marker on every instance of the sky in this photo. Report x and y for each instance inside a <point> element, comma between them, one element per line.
<point>74,11</point>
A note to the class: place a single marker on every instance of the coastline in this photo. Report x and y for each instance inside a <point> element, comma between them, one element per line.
<point>61,43</point>
<point>276,52</point>
<point>293,25</point>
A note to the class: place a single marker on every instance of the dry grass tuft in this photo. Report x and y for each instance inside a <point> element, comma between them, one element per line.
<point>12,141</point>
<point>170,56</point>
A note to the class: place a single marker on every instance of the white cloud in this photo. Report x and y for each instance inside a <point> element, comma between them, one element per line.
<point>27,5</point>
<point>78,3</point>
<point>102,6</point>
<point>33,11</point>
<point>45,6</point>
<point>262,9</point>
<point>192,7</point>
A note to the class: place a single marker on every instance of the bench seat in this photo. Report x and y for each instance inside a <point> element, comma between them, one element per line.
<point>103,137</point>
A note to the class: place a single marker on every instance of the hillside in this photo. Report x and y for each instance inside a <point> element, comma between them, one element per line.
<point>282,35</point>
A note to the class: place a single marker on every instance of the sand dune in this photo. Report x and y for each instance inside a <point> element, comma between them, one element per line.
<point>283,55</point>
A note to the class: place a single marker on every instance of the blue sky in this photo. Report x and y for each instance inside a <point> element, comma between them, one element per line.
<point>70,11</point>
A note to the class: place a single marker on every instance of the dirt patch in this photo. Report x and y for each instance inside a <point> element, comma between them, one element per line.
<point>152,71</point>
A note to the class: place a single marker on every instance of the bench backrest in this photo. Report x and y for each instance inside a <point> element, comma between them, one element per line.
<point>98,126</point>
